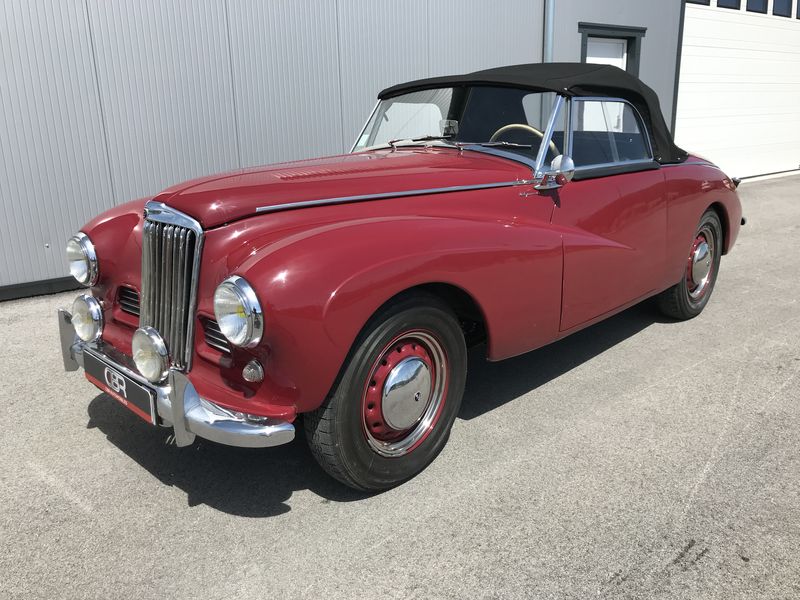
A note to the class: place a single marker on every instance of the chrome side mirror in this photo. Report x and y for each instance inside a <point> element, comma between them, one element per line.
<point>560,173</point>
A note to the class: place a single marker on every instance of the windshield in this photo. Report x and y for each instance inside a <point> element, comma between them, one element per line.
<point>506,116</point>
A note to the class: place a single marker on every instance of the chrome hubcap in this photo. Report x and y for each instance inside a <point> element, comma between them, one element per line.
<point>700,269</point>
<point>406,393</point>
<point>701,263</point>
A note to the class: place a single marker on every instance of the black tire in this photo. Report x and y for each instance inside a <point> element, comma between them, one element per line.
<point>681,301</point>
<point>338,432</point>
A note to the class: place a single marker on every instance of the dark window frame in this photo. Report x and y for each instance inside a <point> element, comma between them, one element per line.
<point>731,4</point>
<point>703,2</point>
<point>788,11</point>
<point>632,35</point>
<point>750,8</point>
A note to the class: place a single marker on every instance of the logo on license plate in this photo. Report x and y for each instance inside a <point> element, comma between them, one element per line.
<point>116,382</point>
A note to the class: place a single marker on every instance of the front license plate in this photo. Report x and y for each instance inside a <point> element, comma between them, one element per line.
<point>122,388</point>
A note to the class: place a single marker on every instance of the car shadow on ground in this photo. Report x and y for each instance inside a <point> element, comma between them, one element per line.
<point>258,483</point>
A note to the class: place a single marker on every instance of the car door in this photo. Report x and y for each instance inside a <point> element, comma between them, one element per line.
<point>612,215</point>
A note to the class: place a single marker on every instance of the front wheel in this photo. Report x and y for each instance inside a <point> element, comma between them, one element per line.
<point>390,413</point>
<point>688,297</point>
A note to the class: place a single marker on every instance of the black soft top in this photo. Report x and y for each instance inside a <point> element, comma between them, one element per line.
<point>567,79</point>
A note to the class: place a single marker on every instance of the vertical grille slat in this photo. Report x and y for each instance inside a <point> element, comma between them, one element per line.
<point>171,245</point>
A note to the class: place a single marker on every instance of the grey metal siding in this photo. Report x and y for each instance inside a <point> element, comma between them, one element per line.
<point>102,102</point>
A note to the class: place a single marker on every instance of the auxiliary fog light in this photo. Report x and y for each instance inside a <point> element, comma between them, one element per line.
<point>150,354</point>
<point>87,317</point>
<point>253,372</point>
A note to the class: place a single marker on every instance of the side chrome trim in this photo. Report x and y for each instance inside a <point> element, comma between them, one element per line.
<point>693,162</point>
<point>620,163</point>
<point>386,195</point>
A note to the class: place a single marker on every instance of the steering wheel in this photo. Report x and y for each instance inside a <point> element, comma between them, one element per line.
<point>524,127</point>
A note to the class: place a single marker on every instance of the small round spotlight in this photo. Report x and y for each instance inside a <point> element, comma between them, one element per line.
<point>87,317</point>
<point>150,354</point>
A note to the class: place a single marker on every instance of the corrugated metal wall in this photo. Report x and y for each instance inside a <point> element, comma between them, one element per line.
<point>102,102</point>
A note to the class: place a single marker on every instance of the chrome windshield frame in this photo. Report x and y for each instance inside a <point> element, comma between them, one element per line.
<point>364,128</point>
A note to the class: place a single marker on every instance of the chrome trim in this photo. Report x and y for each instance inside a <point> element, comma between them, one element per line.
<point>621,163</point>
<point>87,247</point>
<point>386,195</point>
<point>364,128</point>
<point>178,403</point>
<point>693,162</point>
<point>157,342</point>
<point>520,158</point>
<point>165,253</point>
<point>214,337</point>
<point>548,134</point>
<point>252,309</point>
<point>69,339</point>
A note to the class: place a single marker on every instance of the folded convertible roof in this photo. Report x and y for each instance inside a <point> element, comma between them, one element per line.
<point>568,79</point>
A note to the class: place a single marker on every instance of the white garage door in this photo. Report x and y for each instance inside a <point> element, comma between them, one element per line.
<point>739,94</point>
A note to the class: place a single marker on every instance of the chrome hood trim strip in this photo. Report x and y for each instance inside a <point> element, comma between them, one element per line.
<point>386,195</point>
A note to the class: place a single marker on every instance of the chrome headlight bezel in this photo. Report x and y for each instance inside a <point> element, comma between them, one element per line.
<point>85,247</point>
<point>149,337</point>
<point>252,317</point>
<point>95,313</point>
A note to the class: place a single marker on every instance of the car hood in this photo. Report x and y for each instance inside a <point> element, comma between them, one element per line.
<point>227,197</point>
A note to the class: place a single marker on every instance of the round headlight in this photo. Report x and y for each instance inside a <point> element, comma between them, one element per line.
<point>82,259</point>
<point>238,312</point>
<point>87,318</point>
<point>150,354</point>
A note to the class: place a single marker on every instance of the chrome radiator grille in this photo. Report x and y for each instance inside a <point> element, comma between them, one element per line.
<point>171,245</point>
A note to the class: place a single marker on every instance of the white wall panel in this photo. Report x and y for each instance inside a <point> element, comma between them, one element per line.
<point>286,79</point>
<point>467,35</point>
<point>165,85</point>
<point>740,90</point>
<point>53,170</point>
<point>381,43</point>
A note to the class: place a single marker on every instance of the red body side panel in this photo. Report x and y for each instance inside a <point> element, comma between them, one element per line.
<point>321,272</point>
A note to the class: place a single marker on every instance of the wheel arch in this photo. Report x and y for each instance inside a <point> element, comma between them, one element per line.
<point>469,312</point>
<point>724,219</point>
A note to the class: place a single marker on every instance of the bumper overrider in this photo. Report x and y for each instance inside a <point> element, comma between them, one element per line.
<point>176,404</point>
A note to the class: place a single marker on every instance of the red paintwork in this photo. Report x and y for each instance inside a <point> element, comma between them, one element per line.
<point>321,272</point>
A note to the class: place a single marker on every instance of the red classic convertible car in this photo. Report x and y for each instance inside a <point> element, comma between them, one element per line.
<point>511,206</point>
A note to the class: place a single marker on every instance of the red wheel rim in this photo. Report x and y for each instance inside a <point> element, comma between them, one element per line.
<point>404,393</point>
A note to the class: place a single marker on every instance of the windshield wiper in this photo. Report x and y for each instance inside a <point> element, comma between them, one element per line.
<point>501,144</point>
<point>425,138</point>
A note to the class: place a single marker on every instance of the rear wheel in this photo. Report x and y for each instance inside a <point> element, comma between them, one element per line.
<point>688,298</point>
<point>391,411</point>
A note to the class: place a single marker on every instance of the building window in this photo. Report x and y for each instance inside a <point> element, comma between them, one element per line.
<point>704,2</point>
<point>618,45</point>
<point>734,4</point>
<point>759,6</point>
<point>782,8</point>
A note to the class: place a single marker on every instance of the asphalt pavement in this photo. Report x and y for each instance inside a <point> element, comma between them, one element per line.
<point>640,458</point>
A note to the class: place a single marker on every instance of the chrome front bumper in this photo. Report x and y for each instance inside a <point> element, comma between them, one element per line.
<point>178,404</point>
